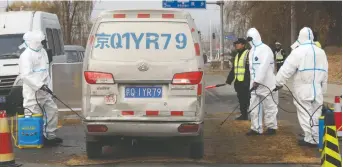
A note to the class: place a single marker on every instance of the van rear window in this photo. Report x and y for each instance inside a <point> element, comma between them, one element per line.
<point>155,41</point>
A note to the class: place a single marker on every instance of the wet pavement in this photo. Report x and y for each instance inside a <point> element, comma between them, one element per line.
<point>218,100</point>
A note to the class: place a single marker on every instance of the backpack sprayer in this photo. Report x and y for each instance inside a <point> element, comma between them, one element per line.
<point>29,127</point>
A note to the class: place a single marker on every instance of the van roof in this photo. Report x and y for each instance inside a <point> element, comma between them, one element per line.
<point>26,12</point>
<point>180,13</point>
<point>19,22</point>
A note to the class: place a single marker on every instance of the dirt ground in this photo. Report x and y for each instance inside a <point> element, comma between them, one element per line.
<point>223,144</point>
<point>334,55</point>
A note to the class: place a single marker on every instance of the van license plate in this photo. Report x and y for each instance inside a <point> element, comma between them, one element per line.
<point>110,99</point>
<point>143,92</point>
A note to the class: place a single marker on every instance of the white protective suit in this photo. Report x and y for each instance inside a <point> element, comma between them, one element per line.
<point>261,63</point>
<point>309,65</point>
<point>34,72</point>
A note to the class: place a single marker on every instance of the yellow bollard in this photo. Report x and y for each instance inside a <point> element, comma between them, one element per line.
<point>331,154</point>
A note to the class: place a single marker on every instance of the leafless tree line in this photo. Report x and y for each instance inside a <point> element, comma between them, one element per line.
<point>74,17</point>
<point>273,19</point>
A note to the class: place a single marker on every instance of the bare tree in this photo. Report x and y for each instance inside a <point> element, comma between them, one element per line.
<point>272,19</point>
<point>73,16</point>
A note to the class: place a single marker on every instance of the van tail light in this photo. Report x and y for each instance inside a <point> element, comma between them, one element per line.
<point>127,113</point>
<point>199,90</point>
<point>97,128</point>
<point>176,113</point>
<point>98,77</point>
<point>188,128</point>
<point>143,15</point>
<point>187,78</point>
<point>168,16</point>
<point>119,15</point>
<point>197,49</point>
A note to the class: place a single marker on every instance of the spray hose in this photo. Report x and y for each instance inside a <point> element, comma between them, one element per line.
<point>270,93</point>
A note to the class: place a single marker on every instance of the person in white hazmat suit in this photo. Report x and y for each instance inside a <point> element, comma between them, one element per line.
<point>308,63</point>
<point>261,62</point>
<point>34,72</point>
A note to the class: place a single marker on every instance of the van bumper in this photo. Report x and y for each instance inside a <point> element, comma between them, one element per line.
<point>144,129</point>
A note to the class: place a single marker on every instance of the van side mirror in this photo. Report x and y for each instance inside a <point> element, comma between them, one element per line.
<point>49,52</point>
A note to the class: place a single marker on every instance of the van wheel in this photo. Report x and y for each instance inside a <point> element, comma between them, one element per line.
<point>93,149</point>
<point>197,150</point>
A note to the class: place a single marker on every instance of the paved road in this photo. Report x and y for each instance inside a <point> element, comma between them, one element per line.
<point>221,99</point>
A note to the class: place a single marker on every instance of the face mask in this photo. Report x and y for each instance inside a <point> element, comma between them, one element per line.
<point>249,39</point>
<point>44,43</point>
<point>35,46</point>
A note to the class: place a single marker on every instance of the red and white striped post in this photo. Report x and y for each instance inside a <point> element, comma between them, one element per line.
<point>338,115</point>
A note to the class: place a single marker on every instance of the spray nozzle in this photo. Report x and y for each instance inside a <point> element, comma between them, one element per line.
<point>47,89</point>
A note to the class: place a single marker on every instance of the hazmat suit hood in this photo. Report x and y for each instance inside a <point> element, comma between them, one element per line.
<point>256,37</point>
<point>33,40</point>
<point>305,36</point>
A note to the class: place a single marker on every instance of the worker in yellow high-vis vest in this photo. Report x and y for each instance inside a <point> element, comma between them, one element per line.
<point>240,75</point>
<point>279,55</point>
<point>315,40</point>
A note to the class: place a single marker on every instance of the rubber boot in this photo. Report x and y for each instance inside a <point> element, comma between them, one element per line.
<point>252,133</point>
<point>242,117</point>
<point>52,142</point>
<point>304,143</point>
<point>270,132</point>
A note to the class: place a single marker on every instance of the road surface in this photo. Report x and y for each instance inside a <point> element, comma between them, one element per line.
<point>218,100</point>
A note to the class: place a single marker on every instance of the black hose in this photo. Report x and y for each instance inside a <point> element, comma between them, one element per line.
<point>43,112</point>
<point>28,110</point>
<point>311,116</point>
<point>234,109</point>
<point>270,93</point>
<point>54,96</point>
<point>229,115</point>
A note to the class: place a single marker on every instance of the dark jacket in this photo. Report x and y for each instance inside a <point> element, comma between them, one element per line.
<point>246,82</point>
<point>282,52</point>
<point>205,58</point>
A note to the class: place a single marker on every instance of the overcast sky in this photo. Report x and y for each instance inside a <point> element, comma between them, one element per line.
<point>202,17</point>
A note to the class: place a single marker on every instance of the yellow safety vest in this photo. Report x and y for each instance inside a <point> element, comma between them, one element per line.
<point>279,55</point>
<point>240,66</point>
<point>318,44</point>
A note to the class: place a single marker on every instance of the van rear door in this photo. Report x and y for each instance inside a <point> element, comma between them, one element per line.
<point>147,57</point>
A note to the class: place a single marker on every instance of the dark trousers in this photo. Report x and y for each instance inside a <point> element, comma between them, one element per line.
<point>278,66</point>
<point>243,95</point>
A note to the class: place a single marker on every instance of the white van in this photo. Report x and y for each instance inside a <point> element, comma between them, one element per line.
<point>143,77</point>
<point>13,25</point>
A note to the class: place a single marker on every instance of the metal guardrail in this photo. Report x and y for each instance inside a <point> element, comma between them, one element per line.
<point>66,84</point>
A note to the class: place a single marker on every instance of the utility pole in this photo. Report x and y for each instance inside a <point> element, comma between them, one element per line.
<point>211,56</point>
<point>81,34</point>
<point>221,53</point>
<point>221,4</point>
<point>7,7</point>
<point>293,22</point>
